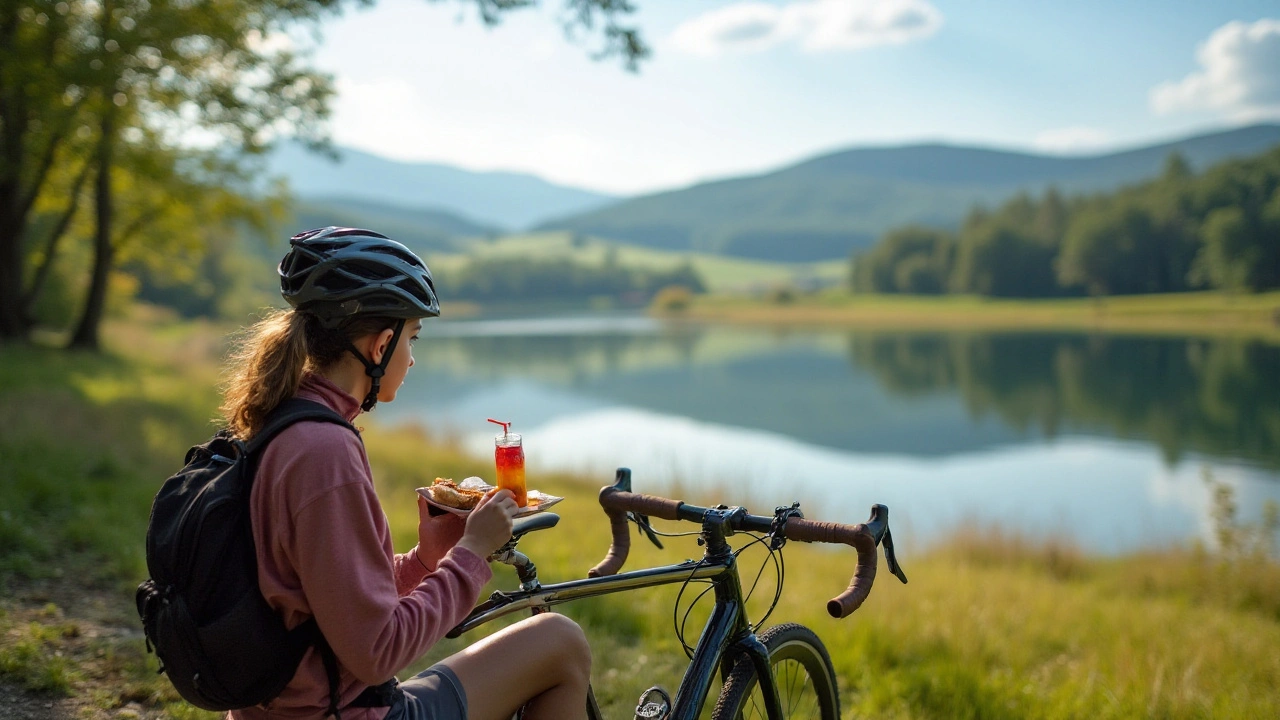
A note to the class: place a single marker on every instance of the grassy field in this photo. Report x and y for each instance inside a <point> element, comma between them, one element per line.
<point>989,627</point>
<point>719,272</point>
<point>1207,313</point>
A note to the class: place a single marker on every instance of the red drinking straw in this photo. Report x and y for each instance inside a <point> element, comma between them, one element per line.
<point>506,426</point>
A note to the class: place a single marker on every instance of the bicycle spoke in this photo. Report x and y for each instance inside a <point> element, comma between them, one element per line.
<point>801,676</point>
<point>791,680</point>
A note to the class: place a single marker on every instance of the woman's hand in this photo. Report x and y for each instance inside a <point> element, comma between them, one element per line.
<point>436,534</point>
<point>489,524</point>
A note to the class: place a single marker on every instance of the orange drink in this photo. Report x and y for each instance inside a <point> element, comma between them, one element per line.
<point>508,455</point>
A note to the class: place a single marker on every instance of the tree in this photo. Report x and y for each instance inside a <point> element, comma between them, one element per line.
<point>1094,249</point>
<point>133,70</point>
<point>1229,254</point>
<point>80,77</point>
<point>998,258</point>
<point>913,259</point>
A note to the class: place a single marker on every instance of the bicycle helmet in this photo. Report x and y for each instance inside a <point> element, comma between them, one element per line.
<point>336,273</point>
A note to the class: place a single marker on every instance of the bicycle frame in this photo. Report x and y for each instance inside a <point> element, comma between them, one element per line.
<point>726,636</point>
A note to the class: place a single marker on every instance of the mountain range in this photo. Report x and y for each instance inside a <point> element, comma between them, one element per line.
<point>501,200</point>
<point>817,209</point>
<point>825,207</point>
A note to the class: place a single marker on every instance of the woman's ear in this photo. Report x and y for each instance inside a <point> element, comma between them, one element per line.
<point>378,346</point>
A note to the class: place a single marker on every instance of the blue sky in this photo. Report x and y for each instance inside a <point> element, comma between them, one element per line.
<point>737,87</point>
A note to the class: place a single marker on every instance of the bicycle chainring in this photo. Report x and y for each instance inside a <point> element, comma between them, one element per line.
<point>650,709</point>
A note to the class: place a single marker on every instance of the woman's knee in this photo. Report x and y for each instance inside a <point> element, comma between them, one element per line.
<point>565,637</point>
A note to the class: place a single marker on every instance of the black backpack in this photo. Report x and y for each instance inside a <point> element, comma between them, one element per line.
<point>219,641</point>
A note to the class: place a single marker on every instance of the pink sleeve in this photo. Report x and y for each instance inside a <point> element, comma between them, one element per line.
<point>409,571</point>
<point>350,580</point>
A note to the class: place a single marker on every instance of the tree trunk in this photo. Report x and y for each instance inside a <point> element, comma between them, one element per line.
<point>13,326</point>
<point>86,335</point>
<point>42,272</point>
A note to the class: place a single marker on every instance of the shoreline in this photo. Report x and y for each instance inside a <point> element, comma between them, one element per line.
<point>1189,314</point>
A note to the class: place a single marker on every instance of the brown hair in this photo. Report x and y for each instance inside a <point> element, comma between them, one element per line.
<point>273,355</point>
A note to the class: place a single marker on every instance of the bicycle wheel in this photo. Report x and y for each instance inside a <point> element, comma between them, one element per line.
<point>802,673</point>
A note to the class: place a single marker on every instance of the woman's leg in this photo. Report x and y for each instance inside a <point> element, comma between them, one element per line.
<point>543,662</point>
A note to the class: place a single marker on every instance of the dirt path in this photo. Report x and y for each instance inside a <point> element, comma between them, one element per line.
<point>82,643</point>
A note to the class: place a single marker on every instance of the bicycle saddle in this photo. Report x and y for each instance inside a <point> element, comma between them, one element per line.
<point>541,521</point>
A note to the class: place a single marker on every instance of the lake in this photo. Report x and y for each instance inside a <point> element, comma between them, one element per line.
<point>1112,442</point>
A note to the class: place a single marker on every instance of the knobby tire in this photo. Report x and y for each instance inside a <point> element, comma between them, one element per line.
<point>803,674</point>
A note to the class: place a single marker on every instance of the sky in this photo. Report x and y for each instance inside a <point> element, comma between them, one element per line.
<point>737,87</point>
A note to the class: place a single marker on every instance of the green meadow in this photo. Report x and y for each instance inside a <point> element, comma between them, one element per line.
<point>1211,313</point>
<point>990,626</point>
<point>720,273</point>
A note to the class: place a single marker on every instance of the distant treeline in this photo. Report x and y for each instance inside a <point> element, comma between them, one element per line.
<point>515,279</point>
<point>1219,229</point>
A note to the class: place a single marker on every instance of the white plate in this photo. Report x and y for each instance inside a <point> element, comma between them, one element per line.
<point>538,501</point>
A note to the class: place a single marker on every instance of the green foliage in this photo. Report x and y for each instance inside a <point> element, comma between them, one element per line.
<point>672,299</point>
<point>105,90</point>
<point>106,95</point>
<point>1220,229</point>
<point>914,259</point>
<point>1238,542</point>
<point>522,280</point>
<point>999,258</point>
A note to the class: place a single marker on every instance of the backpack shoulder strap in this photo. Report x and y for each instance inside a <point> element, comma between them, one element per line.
<point>287,413</point>
<point>292,411</point>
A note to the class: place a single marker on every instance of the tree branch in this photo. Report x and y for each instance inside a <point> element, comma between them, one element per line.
<point>51,244</point>
<point>139,223</point>
<point>46,160</point>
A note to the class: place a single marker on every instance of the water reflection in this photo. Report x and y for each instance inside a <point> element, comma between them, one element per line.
<point>1101,438</point>
<point>1220,397</point>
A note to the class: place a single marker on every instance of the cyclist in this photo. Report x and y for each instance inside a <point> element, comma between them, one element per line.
<point>323,547</point>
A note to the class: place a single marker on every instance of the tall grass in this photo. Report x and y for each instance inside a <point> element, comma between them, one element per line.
<point>991,626</point>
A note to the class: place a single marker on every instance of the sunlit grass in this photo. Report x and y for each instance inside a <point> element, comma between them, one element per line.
<point>1200,313</point>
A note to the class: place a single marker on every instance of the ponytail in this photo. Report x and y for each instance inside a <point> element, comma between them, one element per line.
<point>268,367</point>
<point>265,371</point>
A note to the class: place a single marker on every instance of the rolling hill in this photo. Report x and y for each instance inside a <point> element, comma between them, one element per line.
<point>511,201</point>
<point>423,231</point>
<point>825,207</point>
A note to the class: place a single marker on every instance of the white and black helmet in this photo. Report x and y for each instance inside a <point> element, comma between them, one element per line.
<point>335,273</point>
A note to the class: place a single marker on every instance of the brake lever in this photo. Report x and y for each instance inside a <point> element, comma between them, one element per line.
<point>643,522</point>
<point>894,567</point>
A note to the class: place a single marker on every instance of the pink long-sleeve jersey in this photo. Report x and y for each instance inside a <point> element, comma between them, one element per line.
<point>324,550</point>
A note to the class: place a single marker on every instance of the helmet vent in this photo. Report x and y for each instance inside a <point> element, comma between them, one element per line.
<point>338,282</point>
<point>414,289</point>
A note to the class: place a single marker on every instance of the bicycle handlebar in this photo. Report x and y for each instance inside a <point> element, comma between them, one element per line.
<point>863,537</point>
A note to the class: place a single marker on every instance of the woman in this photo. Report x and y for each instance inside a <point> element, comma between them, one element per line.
<point>321,537</point>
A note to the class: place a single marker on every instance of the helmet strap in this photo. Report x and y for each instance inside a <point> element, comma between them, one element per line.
<point>376,370</point>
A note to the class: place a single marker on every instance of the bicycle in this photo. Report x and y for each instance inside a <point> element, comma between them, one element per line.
<point>784,672</point>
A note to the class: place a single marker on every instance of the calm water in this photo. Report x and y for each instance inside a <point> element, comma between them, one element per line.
<point>1103,439</point>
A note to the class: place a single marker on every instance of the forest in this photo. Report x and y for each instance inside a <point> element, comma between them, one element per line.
<point>1219,229</point>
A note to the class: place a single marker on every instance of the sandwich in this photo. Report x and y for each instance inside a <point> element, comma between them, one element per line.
<point>446,492</point>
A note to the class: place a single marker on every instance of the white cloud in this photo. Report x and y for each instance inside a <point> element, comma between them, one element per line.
<point>1072,140</point>
<point>815,25</point>
<point>1239,74</point>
